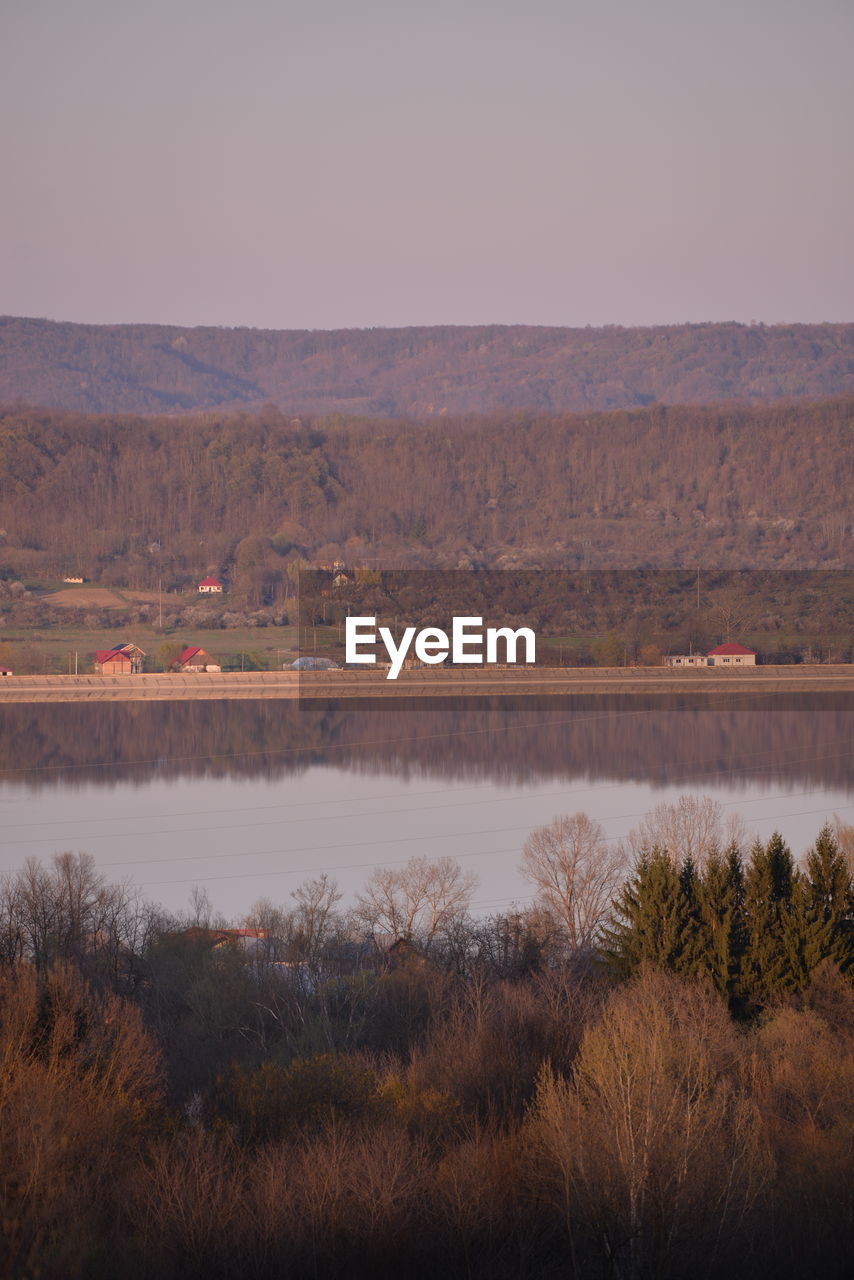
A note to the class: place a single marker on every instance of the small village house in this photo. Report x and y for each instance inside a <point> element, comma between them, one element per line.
<point>241,939</point>
<point>732,655</point>
<point>210,587</point>
<point>122,660</point>
<point>6,671</point>
<point>194,659</point>
<point>725,655</point>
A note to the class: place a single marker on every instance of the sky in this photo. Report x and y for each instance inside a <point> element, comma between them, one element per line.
<point>372,163</point>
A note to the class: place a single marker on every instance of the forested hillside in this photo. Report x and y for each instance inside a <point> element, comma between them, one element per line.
<point>126,500</point>
<point>416,372</point>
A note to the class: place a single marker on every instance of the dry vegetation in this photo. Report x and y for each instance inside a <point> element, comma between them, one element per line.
<point>488,1099</point>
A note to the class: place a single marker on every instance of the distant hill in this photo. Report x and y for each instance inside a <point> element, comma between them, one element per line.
<point>125,501</point>
<point>416,372</point>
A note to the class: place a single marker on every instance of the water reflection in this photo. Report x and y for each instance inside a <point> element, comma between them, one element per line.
<point>660,740</point>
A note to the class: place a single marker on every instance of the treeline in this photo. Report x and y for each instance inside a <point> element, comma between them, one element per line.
<point>753,931</point>
<point>418,372</point>
<point>613,618</point>
<point>139,501</point>
<point>483,1098</point>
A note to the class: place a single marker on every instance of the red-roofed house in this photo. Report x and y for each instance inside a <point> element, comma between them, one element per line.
<point>195,659</point>
<point>725,655</point>
<point>121,660</point>
<point>6,671</point>
<point>243,939</point>
<point>732,655</point>
<point>210,586</point>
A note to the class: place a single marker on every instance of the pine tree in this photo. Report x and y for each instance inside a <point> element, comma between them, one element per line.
<point>651,922</point>
<point>722,925</point>
<point>694,945</point>
<point>829,892</point>
<point>771,963</point>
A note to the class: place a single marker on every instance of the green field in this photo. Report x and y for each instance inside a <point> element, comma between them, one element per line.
<point>51,650</point>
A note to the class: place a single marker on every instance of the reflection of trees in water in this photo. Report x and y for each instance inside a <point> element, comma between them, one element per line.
<point>638,738</point>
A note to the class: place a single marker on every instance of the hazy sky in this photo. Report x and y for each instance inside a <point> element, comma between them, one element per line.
<point>383,162</point>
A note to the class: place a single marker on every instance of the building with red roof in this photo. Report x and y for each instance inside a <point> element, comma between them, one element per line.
<point>725,655</point>
<point>121,660</point>
<point>210,586</point>
<point>195,659</point>
<point>732,655</point>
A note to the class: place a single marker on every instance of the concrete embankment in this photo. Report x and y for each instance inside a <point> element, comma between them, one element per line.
<point>452,682</point>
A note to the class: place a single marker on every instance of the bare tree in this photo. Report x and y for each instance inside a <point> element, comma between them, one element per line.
<point>315,916</point>
<point>652,1144</point>
<point>275,924</point>
<point>421,899</point>
<point>576,871</point>
<point>732,611</point>
<point>71,913</point>
<point>692,827</point>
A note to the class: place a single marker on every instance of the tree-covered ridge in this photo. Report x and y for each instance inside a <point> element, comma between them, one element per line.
<point>416,372</point>
<point>130,500</point>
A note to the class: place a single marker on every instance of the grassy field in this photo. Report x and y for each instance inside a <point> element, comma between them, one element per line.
<point>62,648</point>
<point>52,649</point>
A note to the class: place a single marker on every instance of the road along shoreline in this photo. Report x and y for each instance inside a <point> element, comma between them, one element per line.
<point>436,682</point>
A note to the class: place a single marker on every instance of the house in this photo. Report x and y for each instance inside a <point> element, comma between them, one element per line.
<point>245,940</point>
<point>6,671</point>
<point>725,655</point>
<point>72,579</point>
<point>195,659</point>
<point>121,660</point>
<point>210,586</point>
<point>732,655</point>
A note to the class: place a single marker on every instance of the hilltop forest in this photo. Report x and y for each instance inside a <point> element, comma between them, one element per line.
<point>416,372</point>
<point>127,500</point>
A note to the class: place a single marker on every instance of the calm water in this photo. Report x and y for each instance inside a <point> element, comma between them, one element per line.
<point>249,799</point>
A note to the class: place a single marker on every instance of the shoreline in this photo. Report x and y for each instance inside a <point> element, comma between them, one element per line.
<point>424,683</point>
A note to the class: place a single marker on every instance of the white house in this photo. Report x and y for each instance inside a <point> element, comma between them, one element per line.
<point>732,655</point>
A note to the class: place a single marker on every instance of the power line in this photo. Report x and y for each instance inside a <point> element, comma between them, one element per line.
<point>368,813</point>
<point>362,866</point>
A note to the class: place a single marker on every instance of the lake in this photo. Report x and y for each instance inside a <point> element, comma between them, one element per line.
<point>250,798</point>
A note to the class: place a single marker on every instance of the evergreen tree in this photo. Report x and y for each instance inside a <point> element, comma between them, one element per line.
<point>651,922</point>
<point>722,925</point>
<point>694,944</point>
<point>829,892</point>
<point>771,963</point>
<point>807,936</point>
